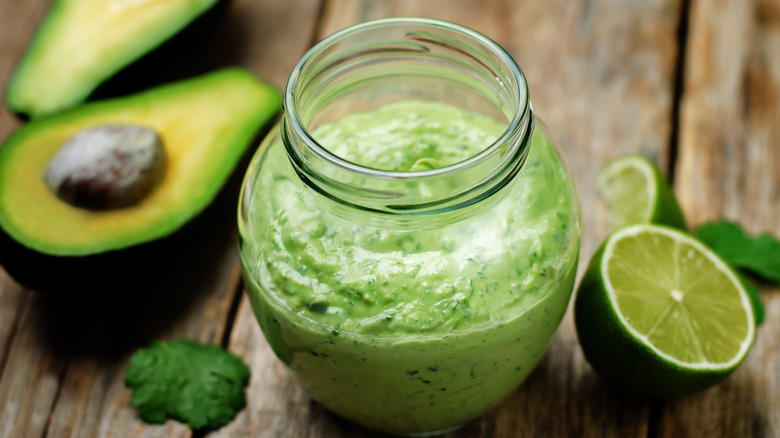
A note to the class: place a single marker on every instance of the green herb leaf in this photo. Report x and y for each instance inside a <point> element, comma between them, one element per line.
<point>198,384</point>
<point>759,255</point>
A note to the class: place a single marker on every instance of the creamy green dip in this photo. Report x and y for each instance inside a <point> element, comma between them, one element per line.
<point>410,330</point>
<point>409,136</point>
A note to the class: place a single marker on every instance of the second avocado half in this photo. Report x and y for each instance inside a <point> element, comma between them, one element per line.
<point>82,43</point>
<point>205,126</point>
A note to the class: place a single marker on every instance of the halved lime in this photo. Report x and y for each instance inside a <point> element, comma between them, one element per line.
<point>636,192</point>
<point>660,315</point>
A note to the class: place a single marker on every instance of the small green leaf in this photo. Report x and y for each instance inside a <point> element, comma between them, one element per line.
<point>759,255</point>
<point>198,384</point>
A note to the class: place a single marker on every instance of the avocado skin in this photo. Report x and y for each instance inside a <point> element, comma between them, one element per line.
<point>81,275</point>
<point>137,73</point>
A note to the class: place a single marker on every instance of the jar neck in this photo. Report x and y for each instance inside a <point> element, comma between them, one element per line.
<point>379,62</point>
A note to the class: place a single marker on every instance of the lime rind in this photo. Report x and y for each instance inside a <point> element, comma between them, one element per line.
<point>667,210</point>
<point>720,266</point>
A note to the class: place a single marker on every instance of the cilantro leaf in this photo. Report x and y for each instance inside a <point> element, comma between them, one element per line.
<point>759,255</point>
<point>198,384</point>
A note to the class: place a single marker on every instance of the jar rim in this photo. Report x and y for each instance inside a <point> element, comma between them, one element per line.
<point>521,114</point>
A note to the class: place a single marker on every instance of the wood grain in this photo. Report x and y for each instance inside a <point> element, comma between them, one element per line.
<point>30,380</point>
<point>12,299</point>
<point>601,74</point>
<point>729,166</point>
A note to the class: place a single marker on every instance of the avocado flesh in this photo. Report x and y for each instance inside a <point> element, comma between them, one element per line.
<point>205,123</point>
<point>82,43</point>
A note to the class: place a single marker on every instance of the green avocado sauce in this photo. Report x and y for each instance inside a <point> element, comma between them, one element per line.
<point>418,329</point>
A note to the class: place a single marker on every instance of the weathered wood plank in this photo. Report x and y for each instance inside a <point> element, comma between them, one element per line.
<point>601,74</point>
<point>31,378</point>
<point>205,273</point>
<point>729,166</point>
<point>12,300</point>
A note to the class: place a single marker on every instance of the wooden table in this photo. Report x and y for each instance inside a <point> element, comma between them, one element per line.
<point>692,84</point>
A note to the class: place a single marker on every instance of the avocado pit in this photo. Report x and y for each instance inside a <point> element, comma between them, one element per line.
<point>107,167</point>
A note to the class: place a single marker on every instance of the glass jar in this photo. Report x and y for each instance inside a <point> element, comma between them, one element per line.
<point>409,233</point>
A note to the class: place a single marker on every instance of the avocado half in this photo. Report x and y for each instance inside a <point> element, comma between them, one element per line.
<point>82,43</point>
<point>205,123</point>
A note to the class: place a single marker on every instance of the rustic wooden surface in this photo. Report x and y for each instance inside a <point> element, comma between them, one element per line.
<point>692,84</point>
